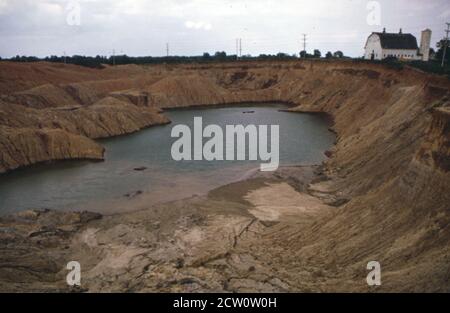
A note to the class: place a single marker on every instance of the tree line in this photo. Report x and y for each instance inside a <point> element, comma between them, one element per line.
<point>220,56</point>
<point>434,65</point>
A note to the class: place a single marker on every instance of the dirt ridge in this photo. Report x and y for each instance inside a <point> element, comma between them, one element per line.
<point>385,189</point>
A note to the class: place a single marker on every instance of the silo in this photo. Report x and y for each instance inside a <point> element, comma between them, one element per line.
<point>425,43</point>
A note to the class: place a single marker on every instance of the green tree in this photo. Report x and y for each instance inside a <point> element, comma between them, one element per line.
<point>220,55</point>
<point>329,55</point>
<point>338,54</point>
<point>282,55</point>
<point>206,56</point>
<point>441,45</point>
<point>317,53</point>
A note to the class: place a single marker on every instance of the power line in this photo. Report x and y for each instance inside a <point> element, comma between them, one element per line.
<point>323,40</point>
<point>280,42</point>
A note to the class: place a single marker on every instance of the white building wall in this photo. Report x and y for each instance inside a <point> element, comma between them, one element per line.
<point>400,54</point>
<point>373,45</point>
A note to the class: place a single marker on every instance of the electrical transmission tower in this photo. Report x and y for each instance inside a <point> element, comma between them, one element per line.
<point>304,44</point>
<point>447,31</point>
<point>239,48</point>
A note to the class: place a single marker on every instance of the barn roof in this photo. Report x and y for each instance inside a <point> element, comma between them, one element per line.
<point>398,41</point>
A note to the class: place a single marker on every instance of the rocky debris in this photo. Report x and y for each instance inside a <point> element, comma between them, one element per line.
<point>435,150</point>
<point>371,74</point>
<point>339,202</point>
<point>35,248</point>
<point>134,194</point>
<point>136,97</point>
<point>328,153</point>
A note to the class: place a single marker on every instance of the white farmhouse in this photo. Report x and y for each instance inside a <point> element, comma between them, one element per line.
<point>402,46</point>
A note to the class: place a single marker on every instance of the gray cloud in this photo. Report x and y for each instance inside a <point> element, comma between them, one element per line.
<point>138,27</point>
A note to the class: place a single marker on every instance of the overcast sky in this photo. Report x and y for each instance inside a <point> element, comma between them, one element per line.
<point>138,27</point>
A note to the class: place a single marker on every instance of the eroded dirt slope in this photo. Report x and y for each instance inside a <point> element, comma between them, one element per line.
<point>383,195</point>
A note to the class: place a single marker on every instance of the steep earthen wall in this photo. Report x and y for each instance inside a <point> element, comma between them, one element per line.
<point>390,165</point>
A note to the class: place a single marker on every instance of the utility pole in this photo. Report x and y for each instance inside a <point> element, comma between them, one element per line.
<point>240,47</point>
<point>304,43</point>
<point>167,49</point>
<point>114,57</point>
<point>447,31</point>
<point>65,58</point>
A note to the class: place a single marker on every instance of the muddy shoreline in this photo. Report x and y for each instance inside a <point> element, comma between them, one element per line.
<point>171,247</point>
